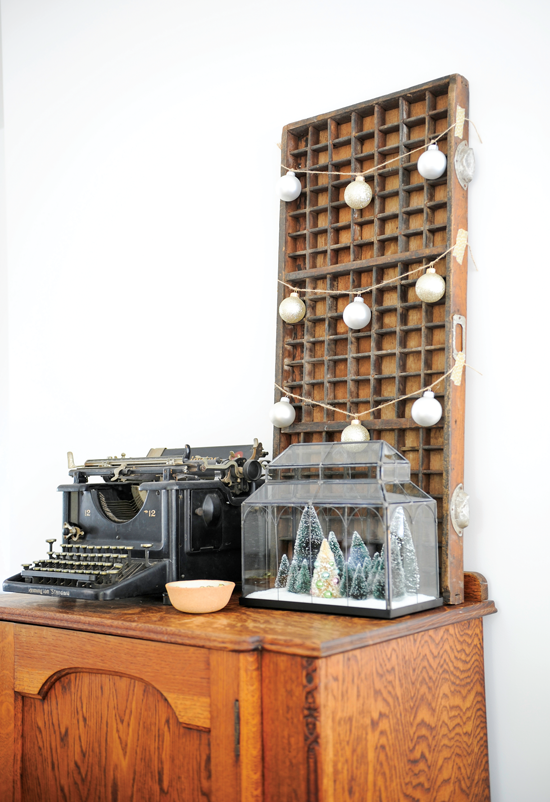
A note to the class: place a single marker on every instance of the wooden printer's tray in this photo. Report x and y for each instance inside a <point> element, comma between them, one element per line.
<point>326,245</point>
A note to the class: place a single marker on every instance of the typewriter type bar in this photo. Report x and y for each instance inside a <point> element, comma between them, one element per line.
<point>152,520</point>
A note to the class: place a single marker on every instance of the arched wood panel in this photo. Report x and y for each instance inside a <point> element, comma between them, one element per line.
<point>98,737</point>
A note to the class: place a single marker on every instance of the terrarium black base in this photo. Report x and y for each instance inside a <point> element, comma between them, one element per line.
<point>332,609</point>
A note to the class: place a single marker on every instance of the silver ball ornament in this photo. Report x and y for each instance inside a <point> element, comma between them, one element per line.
<point>289,187</point>
<point>358,194</point>
<point>426,411</point>
<point>430,287</point>
<point>357,314</point>
<point>292,309</point>
<point>432,163</point>
<point>355,433</point>
<point>282,414</point>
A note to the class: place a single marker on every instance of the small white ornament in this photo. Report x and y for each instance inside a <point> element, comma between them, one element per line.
<point>355,433</point>
<point>289,187</point>
<point>292,309</point>
<point>358,194</point>
<point>282,414</point>
<point>432,163</point>
<point>357,314</point>
<point>430,287</point>
<point>426,411</point>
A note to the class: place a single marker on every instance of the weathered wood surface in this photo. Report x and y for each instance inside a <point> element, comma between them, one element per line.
<point>451,569</point>
<point>235,628</point>
<point>324,247</point>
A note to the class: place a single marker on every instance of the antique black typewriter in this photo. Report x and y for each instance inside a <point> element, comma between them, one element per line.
<point>132,525</point>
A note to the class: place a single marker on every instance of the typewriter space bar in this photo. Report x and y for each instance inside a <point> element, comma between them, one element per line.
<point>74,576</point>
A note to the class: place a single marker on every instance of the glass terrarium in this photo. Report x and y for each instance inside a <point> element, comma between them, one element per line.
<point>340,528</point>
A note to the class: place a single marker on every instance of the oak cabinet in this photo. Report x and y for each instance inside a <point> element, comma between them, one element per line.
<point>130,700</point>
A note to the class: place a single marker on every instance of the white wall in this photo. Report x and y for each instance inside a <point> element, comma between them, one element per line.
<point>141,155</point>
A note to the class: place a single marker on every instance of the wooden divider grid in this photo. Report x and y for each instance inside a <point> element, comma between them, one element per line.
<point>325,245</point>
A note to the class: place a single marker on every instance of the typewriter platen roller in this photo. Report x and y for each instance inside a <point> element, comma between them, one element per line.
<point>132,524</point>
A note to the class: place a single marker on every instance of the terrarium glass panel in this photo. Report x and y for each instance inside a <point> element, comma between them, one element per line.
<point>362,546</point>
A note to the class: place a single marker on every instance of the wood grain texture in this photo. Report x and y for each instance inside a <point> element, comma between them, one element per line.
<point>405,720</point>
<point>452,570</point>
<point>476,588</point>
<point>251,746</point>
<point>114,739</point>
<point>180,673</point>
<point>285,735</point>
<point>7,710</point>
<point>236,753</point>
<point>235,628</point>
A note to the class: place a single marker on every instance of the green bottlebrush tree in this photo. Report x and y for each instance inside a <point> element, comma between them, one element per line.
<point>367,566</point>
<point>303,582</point>
<point>308,538</point>
<point>337,551</point>
<point>282,574</point>
<point>402,531</point>
<point>326,580</point>
<point>357,553</point>
<point>293,576</point>
<point>345,582</point>
<point>379,583</point>
<point>397,573</point>
<point>375,563</point>
<point>358,586</point>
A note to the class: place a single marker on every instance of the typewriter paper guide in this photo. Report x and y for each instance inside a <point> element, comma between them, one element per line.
<point>174,514</point>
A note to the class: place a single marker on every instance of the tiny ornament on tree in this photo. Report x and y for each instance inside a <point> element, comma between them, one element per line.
<point>430,287</point>
<point>289,187</point>
<point>357,314</point>
<point>426,411</point>
<point>292,309</point>
<point>358,194</point>
<point>432,163</point>
<point>282,414</point>
<point>355,433</point>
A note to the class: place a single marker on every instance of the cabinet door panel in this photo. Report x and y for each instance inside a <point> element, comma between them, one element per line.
<point>103,737</point>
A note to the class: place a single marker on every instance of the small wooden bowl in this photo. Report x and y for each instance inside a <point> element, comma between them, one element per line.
<point>199,595</point>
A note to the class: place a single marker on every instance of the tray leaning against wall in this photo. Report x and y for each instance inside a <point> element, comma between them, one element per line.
<point>325,245</point>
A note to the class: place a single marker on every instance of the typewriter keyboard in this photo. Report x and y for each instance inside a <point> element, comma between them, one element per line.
<point>80,565</point>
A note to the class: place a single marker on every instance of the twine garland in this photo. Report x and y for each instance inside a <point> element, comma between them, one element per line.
<point>455,372</point>
<point>458,250</point>
<point>384,164</point>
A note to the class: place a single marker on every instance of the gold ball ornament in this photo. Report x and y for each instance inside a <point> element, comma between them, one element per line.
<point>358,194</point>
<point>355,433</point>
<point>430,287</point>
<point>292,309</point>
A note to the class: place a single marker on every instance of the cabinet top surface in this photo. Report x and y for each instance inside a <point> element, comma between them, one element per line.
<point>235,628</point>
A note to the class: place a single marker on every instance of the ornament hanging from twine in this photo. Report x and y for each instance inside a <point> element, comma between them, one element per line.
<point>357,314</point>
<point>355,433</point>
<point>433,163</point>
<point>282,414</point>
<point>292,309</point>
<point>426,411</point>
<point>430,287</point>
<point>289,187</point>
<point>358,193</point>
